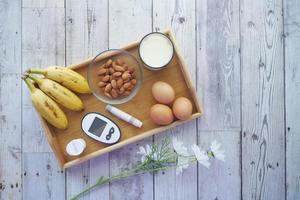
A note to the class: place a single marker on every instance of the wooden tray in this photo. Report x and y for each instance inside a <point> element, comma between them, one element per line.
<point>175,74</point>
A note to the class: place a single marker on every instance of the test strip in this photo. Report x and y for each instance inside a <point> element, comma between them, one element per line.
<point>124,116</point>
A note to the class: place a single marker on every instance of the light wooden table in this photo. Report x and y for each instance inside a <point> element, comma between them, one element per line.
<point>244,57</point>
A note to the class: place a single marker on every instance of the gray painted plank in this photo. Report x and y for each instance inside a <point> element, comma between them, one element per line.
<point>292,91</point>
<point>223,179</point>
<point>263,144</point>
<point>168,185</point>
<point>218,64</point>
<point>43,179</point>
<point>10,134</point>
<point>129,21</point>
<point>218,82</point>
<point>10,101</point>
<point>86,35</point>
<point>43,4</point>
<point>43,44</point>
<point>180,16</point>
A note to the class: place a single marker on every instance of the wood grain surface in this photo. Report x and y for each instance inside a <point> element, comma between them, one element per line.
<point>10,102</point>
<point>292,94</point>
<point>180,16</point>
<point>263,120</point>
<point>243,56</point>
<point>41,45</point>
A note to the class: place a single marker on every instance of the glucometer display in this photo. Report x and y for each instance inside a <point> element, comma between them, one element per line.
<point>97,126</point>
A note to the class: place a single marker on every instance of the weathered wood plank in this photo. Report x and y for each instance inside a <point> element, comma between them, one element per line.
<point>292,92</point>
<point>218,64</point>
<point>43,180</point>
<point>10,36</point>
<point>10,100</point>
<point>168,185</point>
<point>129,20</point>
<point>43,4</point>
<point>263,146</point>
<point>180,16</point>
<point>43,44</point>
<point>223,179</point>
<point>10,133</point>
<point>218,82</point>
<point>86,35</point>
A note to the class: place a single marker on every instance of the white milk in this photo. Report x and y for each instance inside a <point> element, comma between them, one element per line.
<point>156,50</point>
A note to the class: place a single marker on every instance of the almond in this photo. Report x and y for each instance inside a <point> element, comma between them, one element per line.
<point>122,90</point>
<point>133,81</point>
<point>101,71</point>
<point>114,64</point>
<point>114,93</point>
<point>126,76</point>
<point>101,84</point>
<point>127,85</point>
<point>126,93</point>
<point>119,83</point>
<point>110,78</point>
<point>107,88</point>
<point>117,74</point>
<point>129,88</point>
<point>113,83</point>
<point>108,95</point>
<point>119,68</point>
<point>111,70</point>
<point>126,80</point>
<point>119,61</point>
<point>103,66</point>
<point>108,63</point>
<point>105,78</point>
<point>125,66</point>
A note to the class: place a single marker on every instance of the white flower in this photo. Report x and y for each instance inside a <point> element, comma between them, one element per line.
<point>201,156</point>
<point>179,148</point>
<point>218,153</point>
<point>182,163</point>
<point>144,152</point>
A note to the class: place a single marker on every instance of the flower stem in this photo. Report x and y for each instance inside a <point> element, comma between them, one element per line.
<point>125,174</point>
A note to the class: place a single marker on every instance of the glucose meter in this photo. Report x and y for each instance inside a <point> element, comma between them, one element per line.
<point>100,128</point>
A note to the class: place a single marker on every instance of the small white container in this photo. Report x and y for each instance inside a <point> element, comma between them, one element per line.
<point>156,50</point>
<point>75,147</point>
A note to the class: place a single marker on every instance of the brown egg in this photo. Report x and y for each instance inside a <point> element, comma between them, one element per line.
<point>163,92</point>
<point>161,114</point>
<point>182,108</point>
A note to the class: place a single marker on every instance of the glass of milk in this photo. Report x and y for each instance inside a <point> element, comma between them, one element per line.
<point>156,50</point>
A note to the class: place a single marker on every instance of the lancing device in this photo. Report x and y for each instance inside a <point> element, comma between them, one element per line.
<point>124,116</point>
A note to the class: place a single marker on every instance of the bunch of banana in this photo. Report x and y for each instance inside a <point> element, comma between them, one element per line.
<point>58,93</point>
<point>64,76</point>
<point>48,109</point>
<point>54,87</point>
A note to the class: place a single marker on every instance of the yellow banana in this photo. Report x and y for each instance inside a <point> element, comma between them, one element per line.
<point>66,77</point>
<point>58,93</point>
<point>48,109</point>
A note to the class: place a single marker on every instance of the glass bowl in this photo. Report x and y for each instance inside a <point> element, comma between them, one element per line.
<point>99,61</point>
